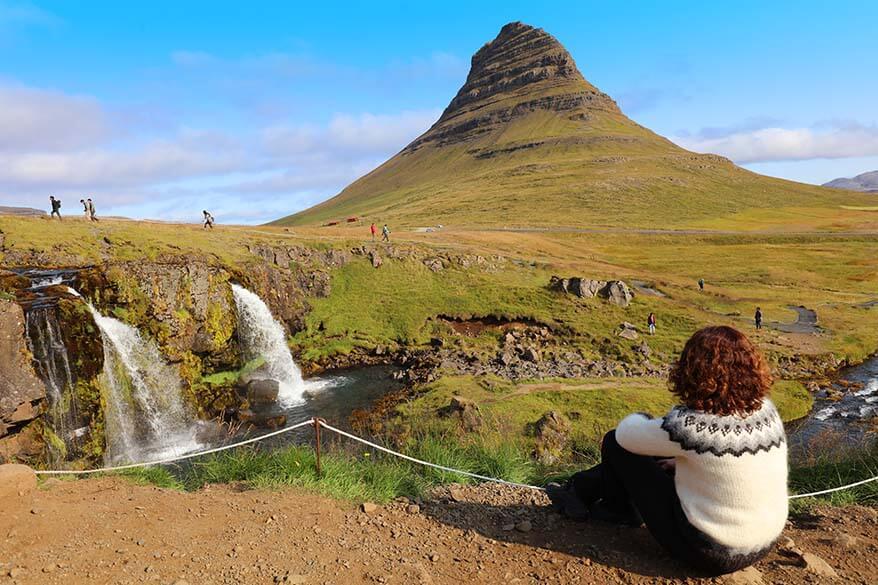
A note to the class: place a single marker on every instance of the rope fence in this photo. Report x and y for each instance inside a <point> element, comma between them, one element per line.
<point>319,423</point>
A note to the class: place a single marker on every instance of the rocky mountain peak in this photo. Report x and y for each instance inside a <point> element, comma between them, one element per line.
<point>524,69</point>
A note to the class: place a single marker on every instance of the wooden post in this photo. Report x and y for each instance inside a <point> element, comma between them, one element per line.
<point>317,441</point>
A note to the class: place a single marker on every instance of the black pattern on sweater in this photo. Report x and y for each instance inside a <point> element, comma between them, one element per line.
<point>735,435</point>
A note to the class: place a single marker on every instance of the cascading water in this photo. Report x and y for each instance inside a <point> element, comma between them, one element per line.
<point>146,417</point>
<point>262,336</point>
<point>53,366</point>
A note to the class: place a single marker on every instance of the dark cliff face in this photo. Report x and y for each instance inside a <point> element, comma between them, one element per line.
<point>524,69</point>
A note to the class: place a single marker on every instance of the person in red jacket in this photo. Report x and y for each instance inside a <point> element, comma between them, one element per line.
<point>373,230</point>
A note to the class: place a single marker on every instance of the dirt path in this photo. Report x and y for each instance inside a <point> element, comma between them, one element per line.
<point>110,531</point>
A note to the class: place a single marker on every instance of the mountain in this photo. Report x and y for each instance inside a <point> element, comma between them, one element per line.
<point>528,141</point>
<point>867,182</point>
<point>20,211</point>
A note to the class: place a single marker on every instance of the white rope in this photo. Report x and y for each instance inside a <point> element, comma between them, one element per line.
<point>310,421</point>
<point>329,427</point>
<point>426,463</point>
<point>835,489</point>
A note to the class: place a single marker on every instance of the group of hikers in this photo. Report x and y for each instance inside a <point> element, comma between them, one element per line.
<point>651,320</point>
<point>385,232</point>
<point>88,208</point>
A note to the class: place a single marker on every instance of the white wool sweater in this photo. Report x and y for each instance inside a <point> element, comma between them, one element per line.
<point>731,473</point>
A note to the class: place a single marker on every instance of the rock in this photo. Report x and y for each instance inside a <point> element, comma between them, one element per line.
<point>368,508</point>
<point>466,410</point>
<point>552,431</point>
<point>262,419</point>
<point>843,541</point>
<point>524,526</point>
<point>375,259</point>
<point>586,288</point>
<point>22,394</point>
<point>456,494</point>
<point>628,331</point>
<point>788,548</point>
<point>531,354</point>
<point>262,391</point>
<point>413,509</point>
<point>434,264</point>
<point>508,527</point>
<point>644,349</point>
<point>748,576</point>
<point>17,484</point>
<point>817,566</point>
<point>617,292</point>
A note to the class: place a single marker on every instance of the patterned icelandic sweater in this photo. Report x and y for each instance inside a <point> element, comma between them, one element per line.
<point>731,473</point>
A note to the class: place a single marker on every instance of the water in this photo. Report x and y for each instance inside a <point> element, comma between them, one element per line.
<point>261,335</point>
<point>146,417</point>
<point>53,367</point>
<point>845,423</point>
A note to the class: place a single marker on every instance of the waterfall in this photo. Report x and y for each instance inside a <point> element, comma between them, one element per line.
<point>145,414</point>
<point>53,366</point>
<point>262,336</point>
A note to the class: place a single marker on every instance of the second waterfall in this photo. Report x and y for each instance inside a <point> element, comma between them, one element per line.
<point>262,336</point>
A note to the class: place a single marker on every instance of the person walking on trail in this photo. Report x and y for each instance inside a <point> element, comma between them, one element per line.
<point>56,207</point>
<point>373,230</point>
<point>650,321</point>
<point>85,209</point>
<point>758,318</point>
<point>701,284</point>
<point>715,500</point>
<point>91,209</point>
<point>385,233</point>
<point>208,220</point>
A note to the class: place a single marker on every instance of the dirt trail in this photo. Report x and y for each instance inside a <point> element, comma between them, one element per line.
<point>108,530</point>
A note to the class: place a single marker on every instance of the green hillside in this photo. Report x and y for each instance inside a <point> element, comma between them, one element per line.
<point>528,141</point>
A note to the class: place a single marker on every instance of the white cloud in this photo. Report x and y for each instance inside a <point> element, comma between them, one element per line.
<point>33,118</point>
<point>831,141</point>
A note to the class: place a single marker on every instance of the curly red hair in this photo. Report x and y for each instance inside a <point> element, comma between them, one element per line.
<point>721,372</point>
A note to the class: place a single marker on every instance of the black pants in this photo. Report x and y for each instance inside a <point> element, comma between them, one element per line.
<point>636,486</point>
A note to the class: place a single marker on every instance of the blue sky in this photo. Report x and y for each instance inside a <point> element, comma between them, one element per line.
<point>259,109</point>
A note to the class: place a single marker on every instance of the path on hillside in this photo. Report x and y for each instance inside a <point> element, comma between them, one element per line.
<point>108,530</point>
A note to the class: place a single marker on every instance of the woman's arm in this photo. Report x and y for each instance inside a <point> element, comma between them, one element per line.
<point>643,435</point>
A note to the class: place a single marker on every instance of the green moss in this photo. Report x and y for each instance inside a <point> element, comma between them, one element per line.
<point>792,399</point>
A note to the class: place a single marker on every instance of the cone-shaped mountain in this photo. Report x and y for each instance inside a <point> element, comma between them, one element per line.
<point>528,141</point>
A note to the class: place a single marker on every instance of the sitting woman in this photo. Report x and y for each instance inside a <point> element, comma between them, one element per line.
<point>709,479</point>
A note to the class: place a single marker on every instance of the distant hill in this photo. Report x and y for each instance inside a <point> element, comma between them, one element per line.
<point>20,211</point>
<point>528,141</point>
<point>867,182</point>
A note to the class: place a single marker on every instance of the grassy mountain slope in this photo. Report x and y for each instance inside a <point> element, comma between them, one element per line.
<point>528,141</point>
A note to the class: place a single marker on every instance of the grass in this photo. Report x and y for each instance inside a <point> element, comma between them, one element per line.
<point>829,470</point>
<point>350,475</point>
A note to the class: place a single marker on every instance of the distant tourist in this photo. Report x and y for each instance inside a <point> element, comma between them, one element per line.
<point>208,220</point>
<point>716,500</point>
<point>650,321</point>
<point>85,209</point>
<point>91,210</point>
<point>385,233</point>
<point>701,284</point>
<point>758,318</point>
<point>373,230</point>
<point>56,207</point>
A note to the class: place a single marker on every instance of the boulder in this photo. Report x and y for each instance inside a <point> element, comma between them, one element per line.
<point>262,391</point>
<point>16,482</point>
<point>434,264</point>
<point>531,354</point>
<point>617,292</point>
<point>552,432</point>
<point>628,331</point>
<point>586,288</point>
<point>464,409</point>
<point>375,259</point>
<point>267,420</point>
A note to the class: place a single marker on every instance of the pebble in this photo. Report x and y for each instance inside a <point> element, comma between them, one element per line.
<point>748,576</point>
<point>816,565</point>
<point>413,509</point>
<point>368,507</point>
<point>524,526</point>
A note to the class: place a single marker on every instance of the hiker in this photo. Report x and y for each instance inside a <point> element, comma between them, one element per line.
<point>56,207</point>
<point>385,234</point>
<point>701,284</point>
<point>91,209</point>
<point>373,230</point>
<point>758,318</point>
<point>208,219</point>
<point>650,321</point>
<point>85,209</point>
<point>709,478</point>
